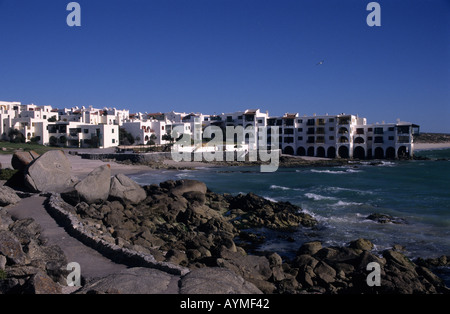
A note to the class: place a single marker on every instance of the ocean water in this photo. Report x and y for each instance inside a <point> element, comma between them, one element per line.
<point>341,198</point>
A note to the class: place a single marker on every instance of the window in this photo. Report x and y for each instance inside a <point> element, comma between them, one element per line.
<point>391,138</point>
<point>86,131</point>
<point>378,131</point>
<point>331,128</point>
<point>239,117</point>
<point>112,131</point>
<point>300,130</point>
<point>289,131</point>
<point>260,121</point>
<point>331,138</point>
<point>300,138</point>
<point>289,140</point>
<point>113,140</point>
<point>331,120</point>
<point>359,131</point>
<point>300,121</point>
<point>370,130</point>
<point>289,122</point>
<point>391,129</point>
<point>378,139</point>
<point>310,122</point>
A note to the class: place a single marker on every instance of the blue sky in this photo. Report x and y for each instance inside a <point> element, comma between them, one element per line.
<point>216,56</point>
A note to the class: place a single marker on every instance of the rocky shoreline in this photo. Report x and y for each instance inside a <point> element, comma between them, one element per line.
<point>189,234</point>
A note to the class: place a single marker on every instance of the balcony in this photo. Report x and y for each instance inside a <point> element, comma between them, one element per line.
<point>403,139</point>
<point>343,139</point>
<point>320,131</point>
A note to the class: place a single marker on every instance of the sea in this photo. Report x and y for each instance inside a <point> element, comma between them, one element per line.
<point>341,198</point>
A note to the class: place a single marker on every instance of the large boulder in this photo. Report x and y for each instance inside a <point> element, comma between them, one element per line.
<point>126,189</point>
<point>95,187</point>
<point>8,196</point>
<point>51,172</point>
<point>137,280</point>
<point>41,283</point>
<point>183,186</point>
<point>20,160</point>
<point>211,280</point>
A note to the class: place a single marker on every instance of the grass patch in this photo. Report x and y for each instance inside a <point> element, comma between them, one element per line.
<point>3,274</point>
<point>8,148</point>
<point>6,174</point>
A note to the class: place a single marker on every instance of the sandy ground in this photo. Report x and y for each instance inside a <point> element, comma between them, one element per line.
<point>82,167</point>
<point>425,146</point>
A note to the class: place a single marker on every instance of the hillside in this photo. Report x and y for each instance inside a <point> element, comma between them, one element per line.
<point>431,138</point>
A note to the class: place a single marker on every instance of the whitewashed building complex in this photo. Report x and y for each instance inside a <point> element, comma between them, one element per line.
<point>331,136</point>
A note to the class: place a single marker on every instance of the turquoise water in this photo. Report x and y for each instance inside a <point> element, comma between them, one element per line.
<point>341,197</point>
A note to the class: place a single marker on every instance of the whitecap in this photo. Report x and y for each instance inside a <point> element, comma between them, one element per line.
<point>279,187</point>
<point>342,203</point>
<point>318,197</point>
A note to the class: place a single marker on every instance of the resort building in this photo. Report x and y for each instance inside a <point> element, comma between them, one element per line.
<point>330,136</point>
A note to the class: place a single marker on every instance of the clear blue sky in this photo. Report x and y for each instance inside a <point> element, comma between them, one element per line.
<point>216,56</point>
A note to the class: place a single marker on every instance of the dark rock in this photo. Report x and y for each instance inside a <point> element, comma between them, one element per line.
<point>182,186</point>
<point>40,283</point>
<point>361,244</point>
<point>310,248</point>
<point>325,272</point>
<point>384,218</point>
<point>196,198</point>
<point>10,247</point>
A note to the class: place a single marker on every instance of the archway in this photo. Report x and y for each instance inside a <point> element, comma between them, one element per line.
<point>331,152</point>
<point>311,151</point>
<point>343,152</point>
<point>320,152</point>
<point>402,152</point>
<point>288,150</point>
<point>379,153</point>
<point>301,151</point>
<point>390,153</point>
<point>359,140</point>
<point>359,152</point>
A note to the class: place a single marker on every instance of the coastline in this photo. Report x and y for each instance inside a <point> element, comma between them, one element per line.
<point>431,146</point>
<point>183,225</point>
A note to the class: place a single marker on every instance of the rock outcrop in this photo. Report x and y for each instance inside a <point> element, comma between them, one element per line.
<point>8,196</point>
<point>28,265</point>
